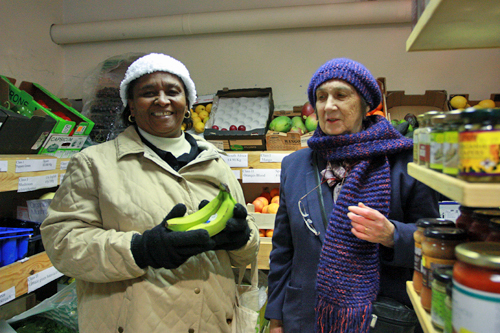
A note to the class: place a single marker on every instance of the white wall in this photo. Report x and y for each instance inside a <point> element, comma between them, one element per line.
<point>27,52</point>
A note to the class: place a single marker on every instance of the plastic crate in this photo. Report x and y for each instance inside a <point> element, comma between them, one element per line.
<point>13,244</point>
<point>35,244</point>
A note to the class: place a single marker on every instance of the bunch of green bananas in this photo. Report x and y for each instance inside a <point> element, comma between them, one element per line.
<point>213,217</point>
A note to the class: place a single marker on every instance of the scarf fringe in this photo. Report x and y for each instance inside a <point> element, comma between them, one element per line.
<point>333,319</point>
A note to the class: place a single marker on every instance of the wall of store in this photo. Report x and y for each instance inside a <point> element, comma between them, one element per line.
<point>282,59</point>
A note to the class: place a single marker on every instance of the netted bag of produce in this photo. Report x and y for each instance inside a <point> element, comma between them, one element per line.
<point>101,97</point>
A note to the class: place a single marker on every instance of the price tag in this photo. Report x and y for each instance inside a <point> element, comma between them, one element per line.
<point>27,184</point>
<point>64,165</point>
<point>4,166</point>
<point>271,158</point>
<point>35,165</point>
<point>261,175</point>
<point>40,279</point>
<point>236,160</point>
<point>7,295</point>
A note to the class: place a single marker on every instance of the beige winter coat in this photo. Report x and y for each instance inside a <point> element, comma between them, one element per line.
<point>118,188</point>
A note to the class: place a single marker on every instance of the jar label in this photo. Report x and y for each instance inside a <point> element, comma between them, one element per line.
<point>450,153</point>
<point>429,264</point>
<point>474,310</point>
<point>438,308</point>
<point>418,257</point>
<point>479,153</point>
<point>436,151</point>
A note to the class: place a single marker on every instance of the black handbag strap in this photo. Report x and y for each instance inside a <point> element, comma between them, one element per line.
<point>320,192</point>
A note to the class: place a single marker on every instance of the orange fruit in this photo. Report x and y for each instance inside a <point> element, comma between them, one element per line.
<point>264,200</point>
<point>264,209</point>
<point>258,204</point>
<point>274,192</point>
<point>269,232</point>
<point>276,199</point>
<point>272,208</point>
<point>262,232</point>
<point>266,195</point>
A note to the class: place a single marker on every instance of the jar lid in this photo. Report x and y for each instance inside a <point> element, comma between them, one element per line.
<point>467,208</point>
<point>483,254</point>
<point>443,274</point>
<point>486,213</point>
<point>434,222</point>
<point>446,233</point>
<point>495,224</point>
<point>475,116</point>
<point>437,119</point>
<point>429,114</point>
<point>453,116</point>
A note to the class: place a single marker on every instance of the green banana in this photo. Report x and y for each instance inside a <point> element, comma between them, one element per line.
<point>218,221</point>
<point>201,216</point>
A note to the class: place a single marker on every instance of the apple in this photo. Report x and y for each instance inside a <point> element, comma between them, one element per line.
<point>233,128</point>
<point>223,129</point>
<point>242,128</point>
<point>307,110</point>
<point>215,127</point>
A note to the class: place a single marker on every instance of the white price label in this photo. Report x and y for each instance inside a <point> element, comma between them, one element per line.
<point>4,166</point>
<point>272,158</point>
<point>42,278</point>
<point>35,165</point>
<point>64,165</point>
<point>236,160</point>
<point>27,184</point>
<point>7,295</point>
<point>261,175</point>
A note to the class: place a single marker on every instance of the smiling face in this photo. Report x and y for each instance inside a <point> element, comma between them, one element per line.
<point>158,104</point>
<point>340,108</point>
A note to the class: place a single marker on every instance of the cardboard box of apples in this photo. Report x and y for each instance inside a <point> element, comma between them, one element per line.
<point>264,209</point>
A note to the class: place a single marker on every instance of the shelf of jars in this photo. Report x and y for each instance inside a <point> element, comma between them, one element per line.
<point>423,316</point>
<point>25,173</point>
<point>456,24</point>
<point>466,193</point>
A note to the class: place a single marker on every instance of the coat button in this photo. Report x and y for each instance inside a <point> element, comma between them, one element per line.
<point>191,330</point>
<point>229,321</point>
<point>120,330</point>
<point>197,290</point>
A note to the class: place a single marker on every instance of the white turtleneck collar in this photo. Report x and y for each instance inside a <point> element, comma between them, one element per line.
<point>176,146</point>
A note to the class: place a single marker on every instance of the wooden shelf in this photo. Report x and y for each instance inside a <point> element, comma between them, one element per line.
<point>9,180</point>
<point>423,316</point>
<point>468,194</point>
<point>457,24</point>
<point>16,274</point>
<point>264,251</point>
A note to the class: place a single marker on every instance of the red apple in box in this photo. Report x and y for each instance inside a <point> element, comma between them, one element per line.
<point>307,110</point>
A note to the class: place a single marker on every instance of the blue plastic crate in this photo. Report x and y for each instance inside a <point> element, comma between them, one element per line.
<point>13,244</point>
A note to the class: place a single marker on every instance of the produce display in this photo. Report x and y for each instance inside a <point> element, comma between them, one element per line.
<point>40,325</point>
<point>267,203</point>
<point>460,102</point>
<point>200,115</point>
<point>241,113</point>
<point>212,217</point>
<point>305,123</point>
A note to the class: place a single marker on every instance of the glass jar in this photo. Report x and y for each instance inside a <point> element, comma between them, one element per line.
<point>436,143</point>
<point>442,276</point>
<point>476,288</point>
<point>494,235</point>
<point>438,250</point>
<point>416,138</point>
<point>480,228</point>
<point>479,142</point>
<point>418,236</point>
<point>464,220</point>
<point>450,145</point>
<point>424,141</point>
<point>448,309</point>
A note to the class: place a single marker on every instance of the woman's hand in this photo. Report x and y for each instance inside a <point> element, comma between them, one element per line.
<point>370,225</point>
<point>276,326</point>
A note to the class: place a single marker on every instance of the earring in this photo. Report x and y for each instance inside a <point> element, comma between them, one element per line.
<point>131,118</point>
<point>187,115</point>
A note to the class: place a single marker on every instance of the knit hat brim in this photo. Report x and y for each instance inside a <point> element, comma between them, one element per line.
<point>157,62</point>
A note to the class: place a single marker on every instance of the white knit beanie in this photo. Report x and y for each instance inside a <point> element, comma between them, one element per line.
<point>157,62</point>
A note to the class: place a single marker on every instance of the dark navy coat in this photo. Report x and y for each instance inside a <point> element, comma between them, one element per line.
<point>296,250</point>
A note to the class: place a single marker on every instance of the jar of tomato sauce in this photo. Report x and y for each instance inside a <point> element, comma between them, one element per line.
<point>480,228</point>
<point>476,288</point>
<point>494,235</point>
<point>418,236</point>
<point>464,220</point>
<point>438,250</point>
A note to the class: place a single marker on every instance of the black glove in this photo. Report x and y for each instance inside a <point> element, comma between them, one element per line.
<point>161,247</point>
<point>236,233</point>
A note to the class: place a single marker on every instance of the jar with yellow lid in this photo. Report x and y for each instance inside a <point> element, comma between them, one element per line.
<point>479,142</point>
<point>442,276</point>
<point>480,228</point>
<point>438,250</point>
<point>436,143</point>
<point>418,237</point>
<point>451,125</point>
<point>476,288</point>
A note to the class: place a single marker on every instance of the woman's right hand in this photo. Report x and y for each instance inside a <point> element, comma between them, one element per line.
<point>276,326</point>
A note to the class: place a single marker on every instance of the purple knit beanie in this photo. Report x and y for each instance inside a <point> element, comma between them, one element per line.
<point>353,73</point>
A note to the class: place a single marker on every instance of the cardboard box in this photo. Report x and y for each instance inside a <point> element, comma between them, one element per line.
<point>254,139</point>
<point>399,104</point>
<point>71,128</point>
<point>23,135</point>
<point>493,97</point>
<point>287,141</point>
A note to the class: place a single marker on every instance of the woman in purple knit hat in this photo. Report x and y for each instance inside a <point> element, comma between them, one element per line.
<point>344,230</point>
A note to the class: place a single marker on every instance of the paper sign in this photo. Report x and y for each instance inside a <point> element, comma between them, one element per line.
<point>237,174</point>
<point>4,166</point>
<point>27,184</point>
<point>42,278</point>
<point>35,165</point>
<point>272,158</point>
<point>7,295</point>
<point>236,160</point>
<point>64,165</point>
<point>261,175</point>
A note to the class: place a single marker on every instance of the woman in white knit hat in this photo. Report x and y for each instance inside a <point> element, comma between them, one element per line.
<point>106,224</point>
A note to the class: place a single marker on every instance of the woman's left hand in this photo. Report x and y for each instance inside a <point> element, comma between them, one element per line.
<point>370,225</point>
